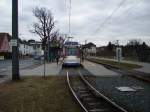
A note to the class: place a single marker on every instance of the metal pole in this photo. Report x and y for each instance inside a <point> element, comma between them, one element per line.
<point>15,56</point>
<point>48,50</point>
<point>118,55</point>
<point>70,18</point>
<point>44,61</point>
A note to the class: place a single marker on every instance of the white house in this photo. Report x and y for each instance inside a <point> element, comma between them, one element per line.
<point>36,48</point>
<point>25,48</point>
<point>29,48</point>
<point>89,49</point>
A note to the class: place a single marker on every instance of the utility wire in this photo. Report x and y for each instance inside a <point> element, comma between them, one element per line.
<point>110,16</point>
<point>127,11</point>
<point>133,7</point>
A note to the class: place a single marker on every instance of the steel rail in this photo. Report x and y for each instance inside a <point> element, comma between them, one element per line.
<point>96,91</point>
<point>74,94</point>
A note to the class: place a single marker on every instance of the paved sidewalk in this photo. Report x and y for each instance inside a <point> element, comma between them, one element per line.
<point>51,69</point>
<point>145,66</point>
<point>98,70</point>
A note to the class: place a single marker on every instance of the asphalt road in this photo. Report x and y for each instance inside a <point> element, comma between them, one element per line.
<point>6,65</point>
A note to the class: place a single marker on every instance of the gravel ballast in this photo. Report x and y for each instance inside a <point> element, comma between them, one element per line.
<point>137,101</point>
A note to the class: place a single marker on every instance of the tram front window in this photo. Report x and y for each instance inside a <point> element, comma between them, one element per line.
<point>72,51</point>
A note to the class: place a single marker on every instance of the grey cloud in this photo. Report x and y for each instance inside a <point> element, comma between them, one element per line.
<point>132,20</point>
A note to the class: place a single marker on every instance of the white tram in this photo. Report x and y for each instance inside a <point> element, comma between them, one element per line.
<point>71,53</point>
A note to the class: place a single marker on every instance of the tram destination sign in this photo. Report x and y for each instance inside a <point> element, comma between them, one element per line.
<point>71,43</point>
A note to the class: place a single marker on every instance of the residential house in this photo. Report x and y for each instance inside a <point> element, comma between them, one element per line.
<point>5,45</point>
<point>30,48</point>
<point>37,48</point>
<point>89,49</point>
<point>25,49</point>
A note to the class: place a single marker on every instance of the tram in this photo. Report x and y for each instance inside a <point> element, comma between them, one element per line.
<point>71,54</point>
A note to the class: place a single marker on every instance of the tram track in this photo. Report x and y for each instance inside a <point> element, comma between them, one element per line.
<point>87,96</point>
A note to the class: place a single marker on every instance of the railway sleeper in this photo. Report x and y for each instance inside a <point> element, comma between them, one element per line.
<point>85,95</point>
<point>79,88</point>
<point>96,104</point>
<point>99,110</point>
<point>83,92</point>
<point>89,100</point>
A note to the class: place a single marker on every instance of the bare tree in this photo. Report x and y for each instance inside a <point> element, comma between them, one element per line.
<point>45,24</point>
<point>43,27</point>
<point>135,42</point>
<point>56,38</point>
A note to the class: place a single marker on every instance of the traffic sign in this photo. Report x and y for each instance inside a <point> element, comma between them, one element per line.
<point>1,57</point>
<point>14,42</point>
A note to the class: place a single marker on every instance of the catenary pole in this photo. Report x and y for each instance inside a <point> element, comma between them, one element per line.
<point>15,56</point>
<point>70,17</point>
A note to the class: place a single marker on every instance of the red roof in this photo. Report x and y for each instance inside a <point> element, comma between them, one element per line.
<point>2,37</point>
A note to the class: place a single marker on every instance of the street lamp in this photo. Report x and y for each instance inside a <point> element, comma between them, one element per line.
<point>14,41</point>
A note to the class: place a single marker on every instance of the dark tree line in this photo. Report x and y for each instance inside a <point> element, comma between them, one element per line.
<point>138,50</point>
<point>134,49</point>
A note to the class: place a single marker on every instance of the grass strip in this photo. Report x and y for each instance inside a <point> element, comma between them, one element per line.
<point>36,94</point>
<point>121,65</point>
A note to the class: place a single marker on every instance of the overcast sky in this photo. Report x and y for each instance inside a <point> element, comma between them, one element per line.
<point>98,21</point>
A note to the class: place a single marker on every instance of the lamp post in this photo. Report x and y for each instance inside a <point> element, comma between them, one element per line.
<point>14,41</point>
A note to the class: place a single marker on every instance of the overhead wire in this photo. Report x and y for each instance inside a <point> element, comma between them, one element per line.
<point>105,21</point>
<point>110,16</point>
<point>127,11</point>
<point>133,6</point>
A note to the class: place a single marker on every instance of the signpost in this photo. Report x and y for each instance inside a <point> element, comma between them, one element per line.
<point>14,41</point>
<point>119,55</point>
<point>2,58</point>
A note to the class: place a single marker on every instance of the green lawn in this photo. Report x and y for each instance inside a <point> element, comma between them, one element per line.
<point>124,66</point>
<point>36,94</point>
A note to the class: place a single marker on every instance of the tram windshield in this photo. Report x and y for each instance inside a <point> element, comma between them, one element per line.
<point>72,52</point>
